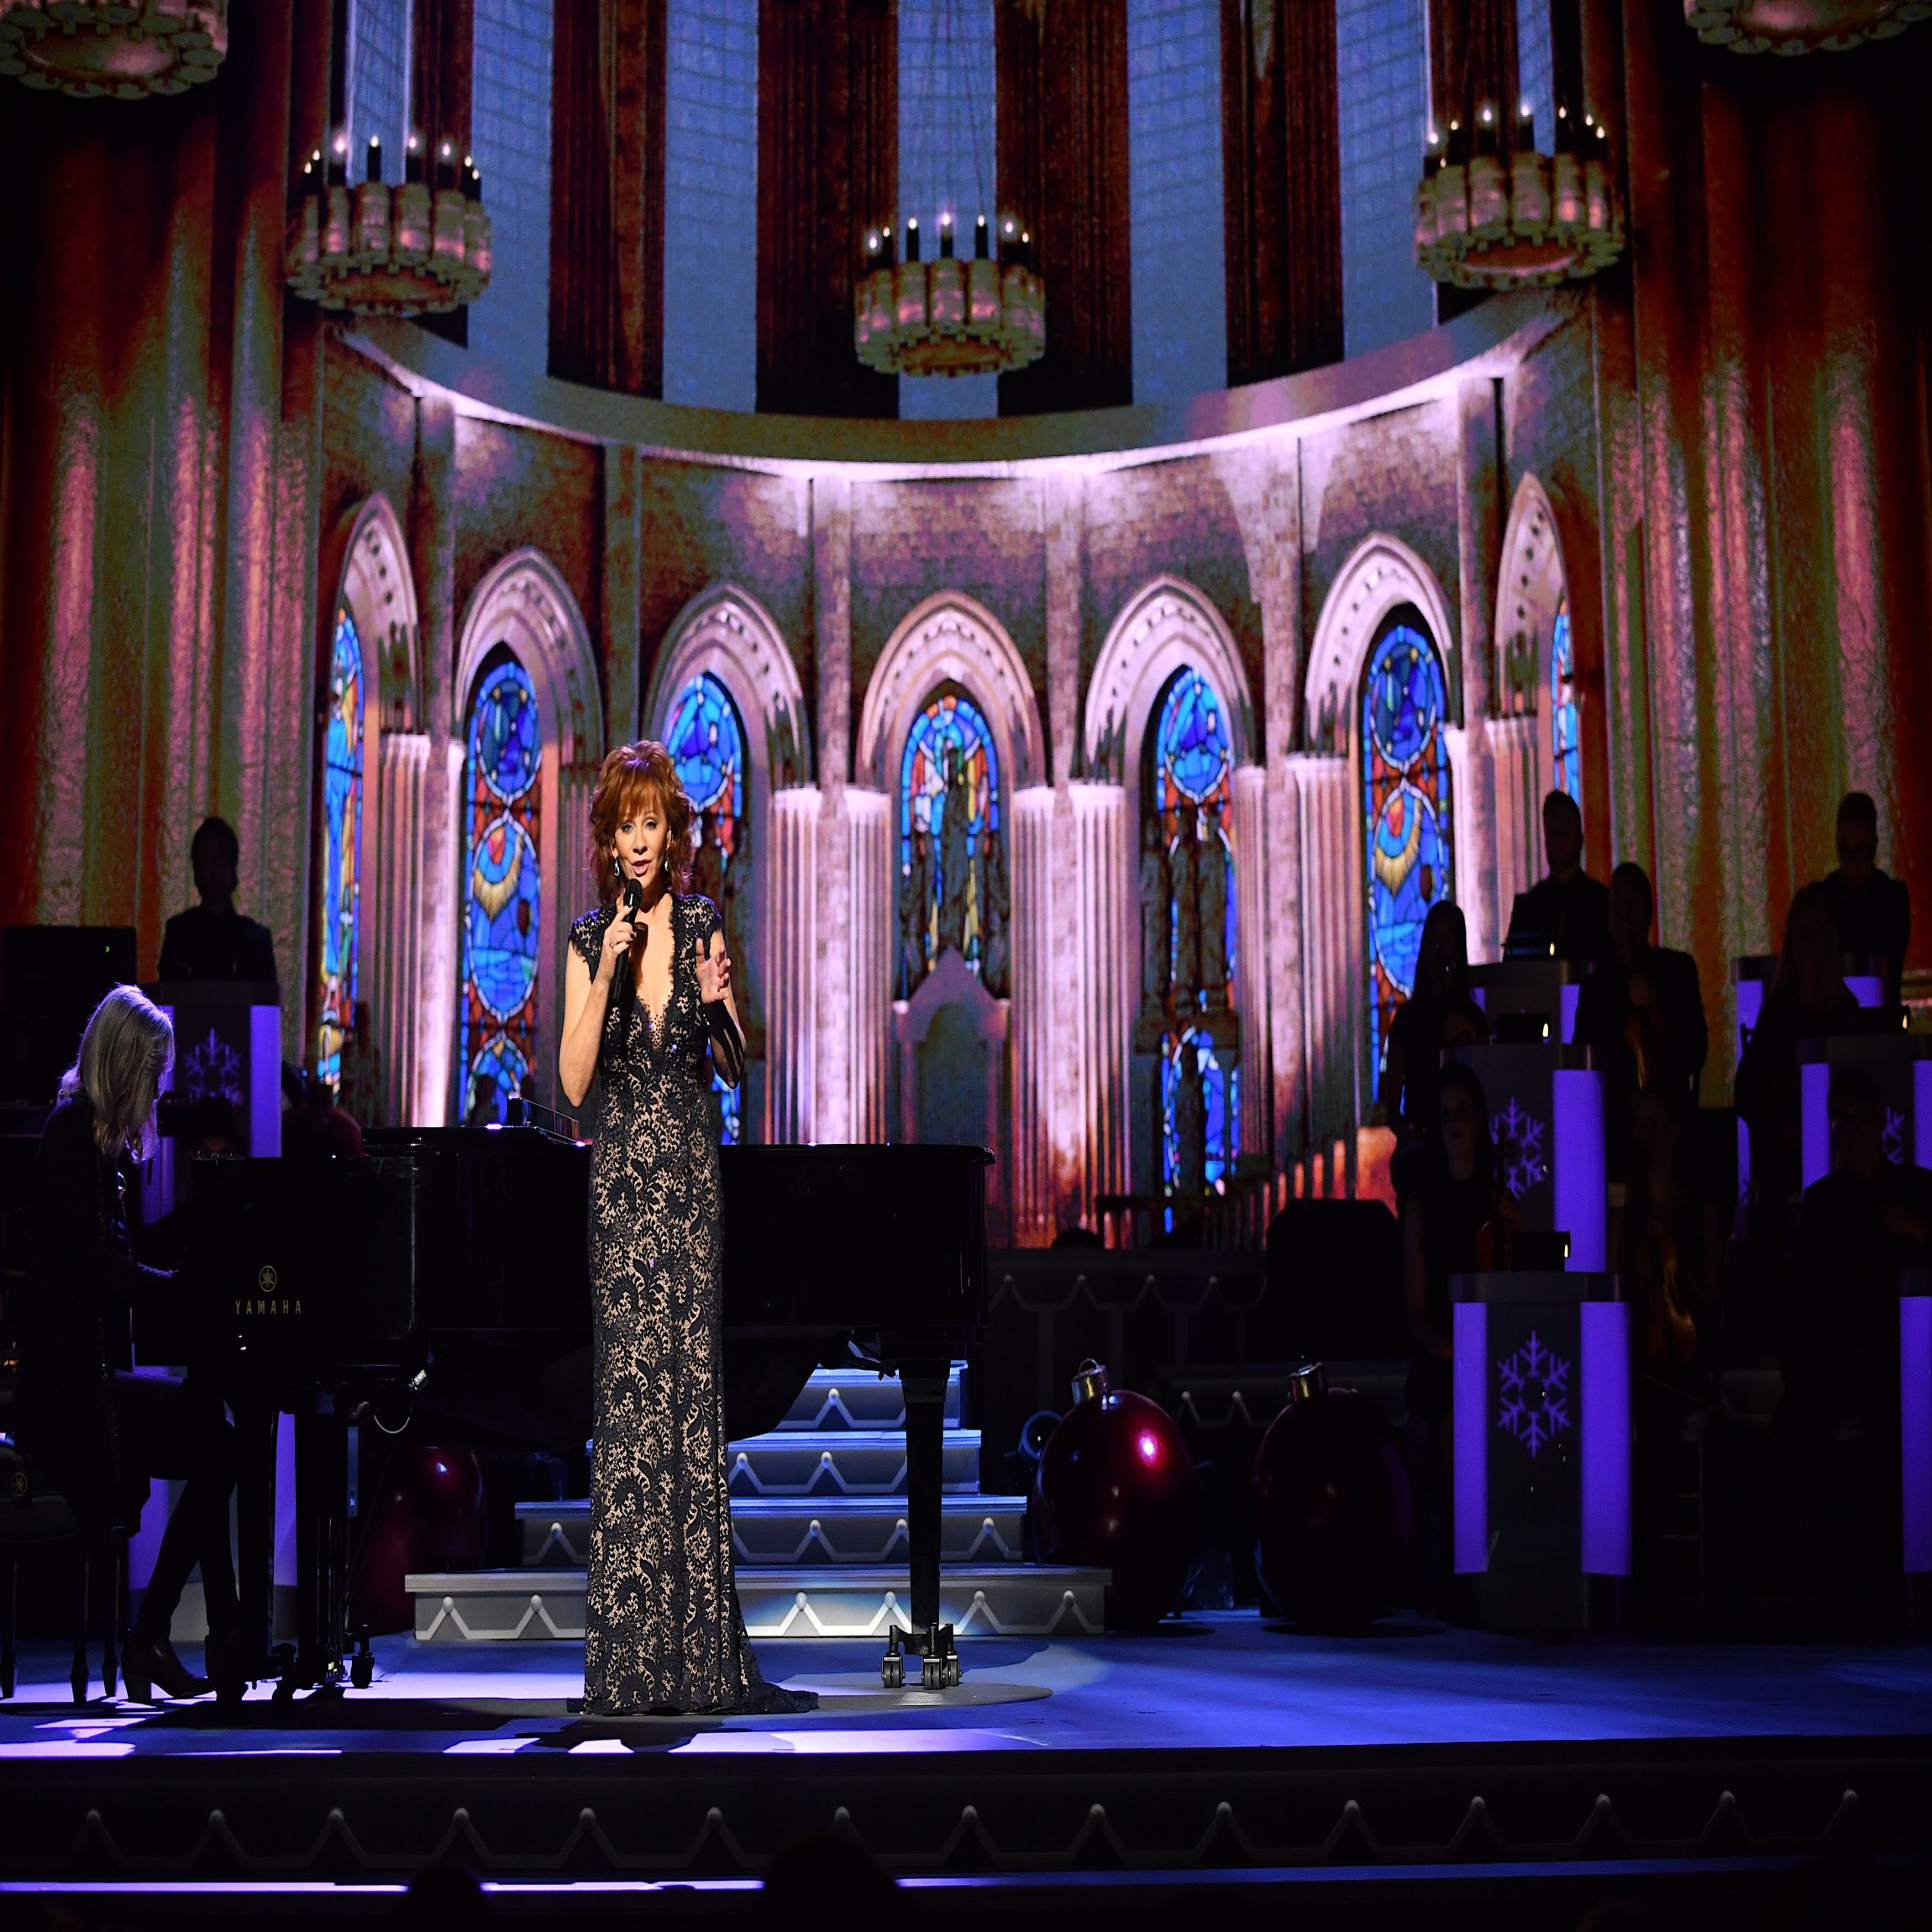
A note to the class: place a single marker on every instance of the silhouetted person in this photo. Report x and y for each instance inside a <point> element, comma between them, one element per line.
<point>212,941</point>
<point>1566,915</point>
<point>1642,1011</point>
<point>1873,910</point>
<point>319,1129</point>
<point>1440,1012</point>
<point>1839,1420</point>
<point>359,1091</point>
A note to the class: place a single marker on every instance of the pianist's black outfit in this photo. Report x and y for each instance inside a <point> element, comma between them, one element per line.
<point>662,1627</point>
<point>93,1431</point>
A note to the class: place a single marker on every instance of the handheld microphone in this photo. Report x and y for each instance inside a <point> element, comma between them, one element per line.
<point>633,897</point>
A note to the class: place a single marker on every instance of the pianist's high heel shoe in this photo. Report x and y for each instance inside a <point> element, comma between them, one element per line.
<point>150,1664</point>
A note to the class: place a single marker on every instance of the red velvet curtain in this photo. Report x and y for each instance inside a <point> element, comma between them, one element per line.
<point>1283,186</point>
<point>1062,136</point>
<point>827,170</point>
<point>607,194</point>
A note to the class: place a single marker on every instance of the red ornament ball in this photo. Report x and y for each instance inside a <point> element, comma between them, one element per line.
<point>432,1518</point>
<point>1332,1508</point>
<point>1117,1488</point>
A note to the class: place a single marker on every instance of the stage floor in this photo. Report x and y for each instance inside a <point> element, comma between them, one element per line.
<point>1222,1751</point>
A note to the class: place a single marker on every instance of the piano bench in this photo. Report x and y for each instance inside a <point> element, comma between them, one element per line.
<point>43,1523</point>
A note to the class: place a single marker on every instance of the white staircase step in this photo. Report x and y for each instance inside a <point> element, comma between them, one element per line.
<point>856,1398</point>
<point>804,1530</point>
<point>842,1463</point>
<point>802,1600</point>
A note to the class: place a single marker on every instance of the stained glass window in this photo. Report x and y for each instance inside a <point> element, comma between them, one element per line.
<point>340,885</point>
<point>1194,793</point>
<point>1198,1078</point>
<point>1405,810</point>
<point>952,880</point>
<point>503,900</point>
<point>707,743</point>
<point>1565,745</point>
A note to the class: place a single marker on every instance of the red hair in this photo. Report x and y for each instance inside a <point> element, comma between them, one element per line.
<point>636,777</point>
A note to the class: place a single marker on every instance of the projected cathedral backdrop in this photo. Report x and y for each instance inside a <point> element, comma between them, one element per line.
<point>502,914</point>
<point>1406,812</point>
<point>1565,743</point>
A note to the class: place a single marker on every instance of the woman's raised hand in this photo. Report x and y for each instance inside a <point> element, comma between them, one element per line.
<point>617,938</point>
<point>714,975</point>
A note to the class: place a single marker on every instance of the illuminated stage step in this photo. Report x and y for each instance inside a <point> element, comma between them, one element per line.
<point>805,1529</point>
<point>854,1398</point>
<point>790,1600</point>
<point>830,1462</point>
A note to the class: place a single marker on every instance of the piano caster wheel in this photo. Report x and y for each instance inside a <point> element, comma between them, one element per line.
<point>892,1665</point>
<point>362,1670</point>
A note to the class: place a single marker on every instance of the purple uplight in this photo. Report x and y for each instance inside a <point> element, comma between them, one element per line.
<point>1576,1109</point>
<point>1915,1420</point>
<point>1606,1439</point>
<point>1471,1430</point>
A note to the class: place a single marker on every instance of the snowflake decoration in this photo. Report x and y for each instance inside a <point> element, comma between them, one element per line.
<point>1893,1140</point>
<point>1536,1394</point>
<point>1519,1137</point>
<point>211,1066</point>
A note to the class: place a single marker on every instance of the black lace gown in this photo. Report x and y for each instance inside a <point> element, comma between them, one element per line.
<point>662,1629</point>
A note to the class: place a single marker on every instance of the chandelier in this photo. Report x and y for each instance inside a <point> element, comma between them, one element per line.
<point>1537,220</point>
<point>420,248</point>
<point>90,48</point>
<point>1800,26</point>
<point>949,316</point>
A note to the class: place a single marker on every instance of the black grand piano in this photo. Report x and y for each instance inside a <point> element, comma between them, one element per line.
<point>444,1278</point>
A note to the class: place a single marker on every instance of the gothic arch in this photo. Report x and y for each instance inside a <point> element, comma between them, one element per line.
<point>523,602</point>
<point>725,632</point>
<point>1382,573</point>
<point>950,638</point>
<point>375,581</point>
<point>1529,587</point>
<point>1165,625</point>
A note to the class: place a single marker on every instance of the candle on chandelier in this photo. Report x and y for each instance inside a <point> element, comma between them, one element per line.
<point>375,168</point>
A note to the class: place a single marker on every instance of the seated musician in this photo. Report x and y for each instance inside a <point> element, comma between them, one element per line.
<point>1440,1012</point>
<point>213,941</point>
<point>1641,1011</point>
<point>1839,1421</point>
<point>94,1431</point>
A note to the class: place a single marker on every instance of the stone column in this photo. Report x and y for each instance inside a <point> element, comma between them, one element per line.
<point>397,992</point>
<point>832,598</point>
<point>791,962</point>
<point>1034,1165</point>
<point>870,928</point>
<point>1479,537</point>
<point>268,803</point>
<point>1252,941</point>
<point>623,642</point>
<point>1333,989</point>
<point>433,548</point>
<point>567,892</point>
<point>1109,983</point>
<point>1516,763</point>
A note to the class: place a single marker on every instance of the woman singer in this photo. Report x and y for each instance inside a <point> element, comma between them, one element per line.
<point>647,988</point>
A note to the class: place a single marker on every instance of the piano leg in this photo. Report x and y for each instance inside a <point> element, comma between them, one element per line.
<point>321,1546</point>
<point>923,1383</point>
<point>255,1424</point>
